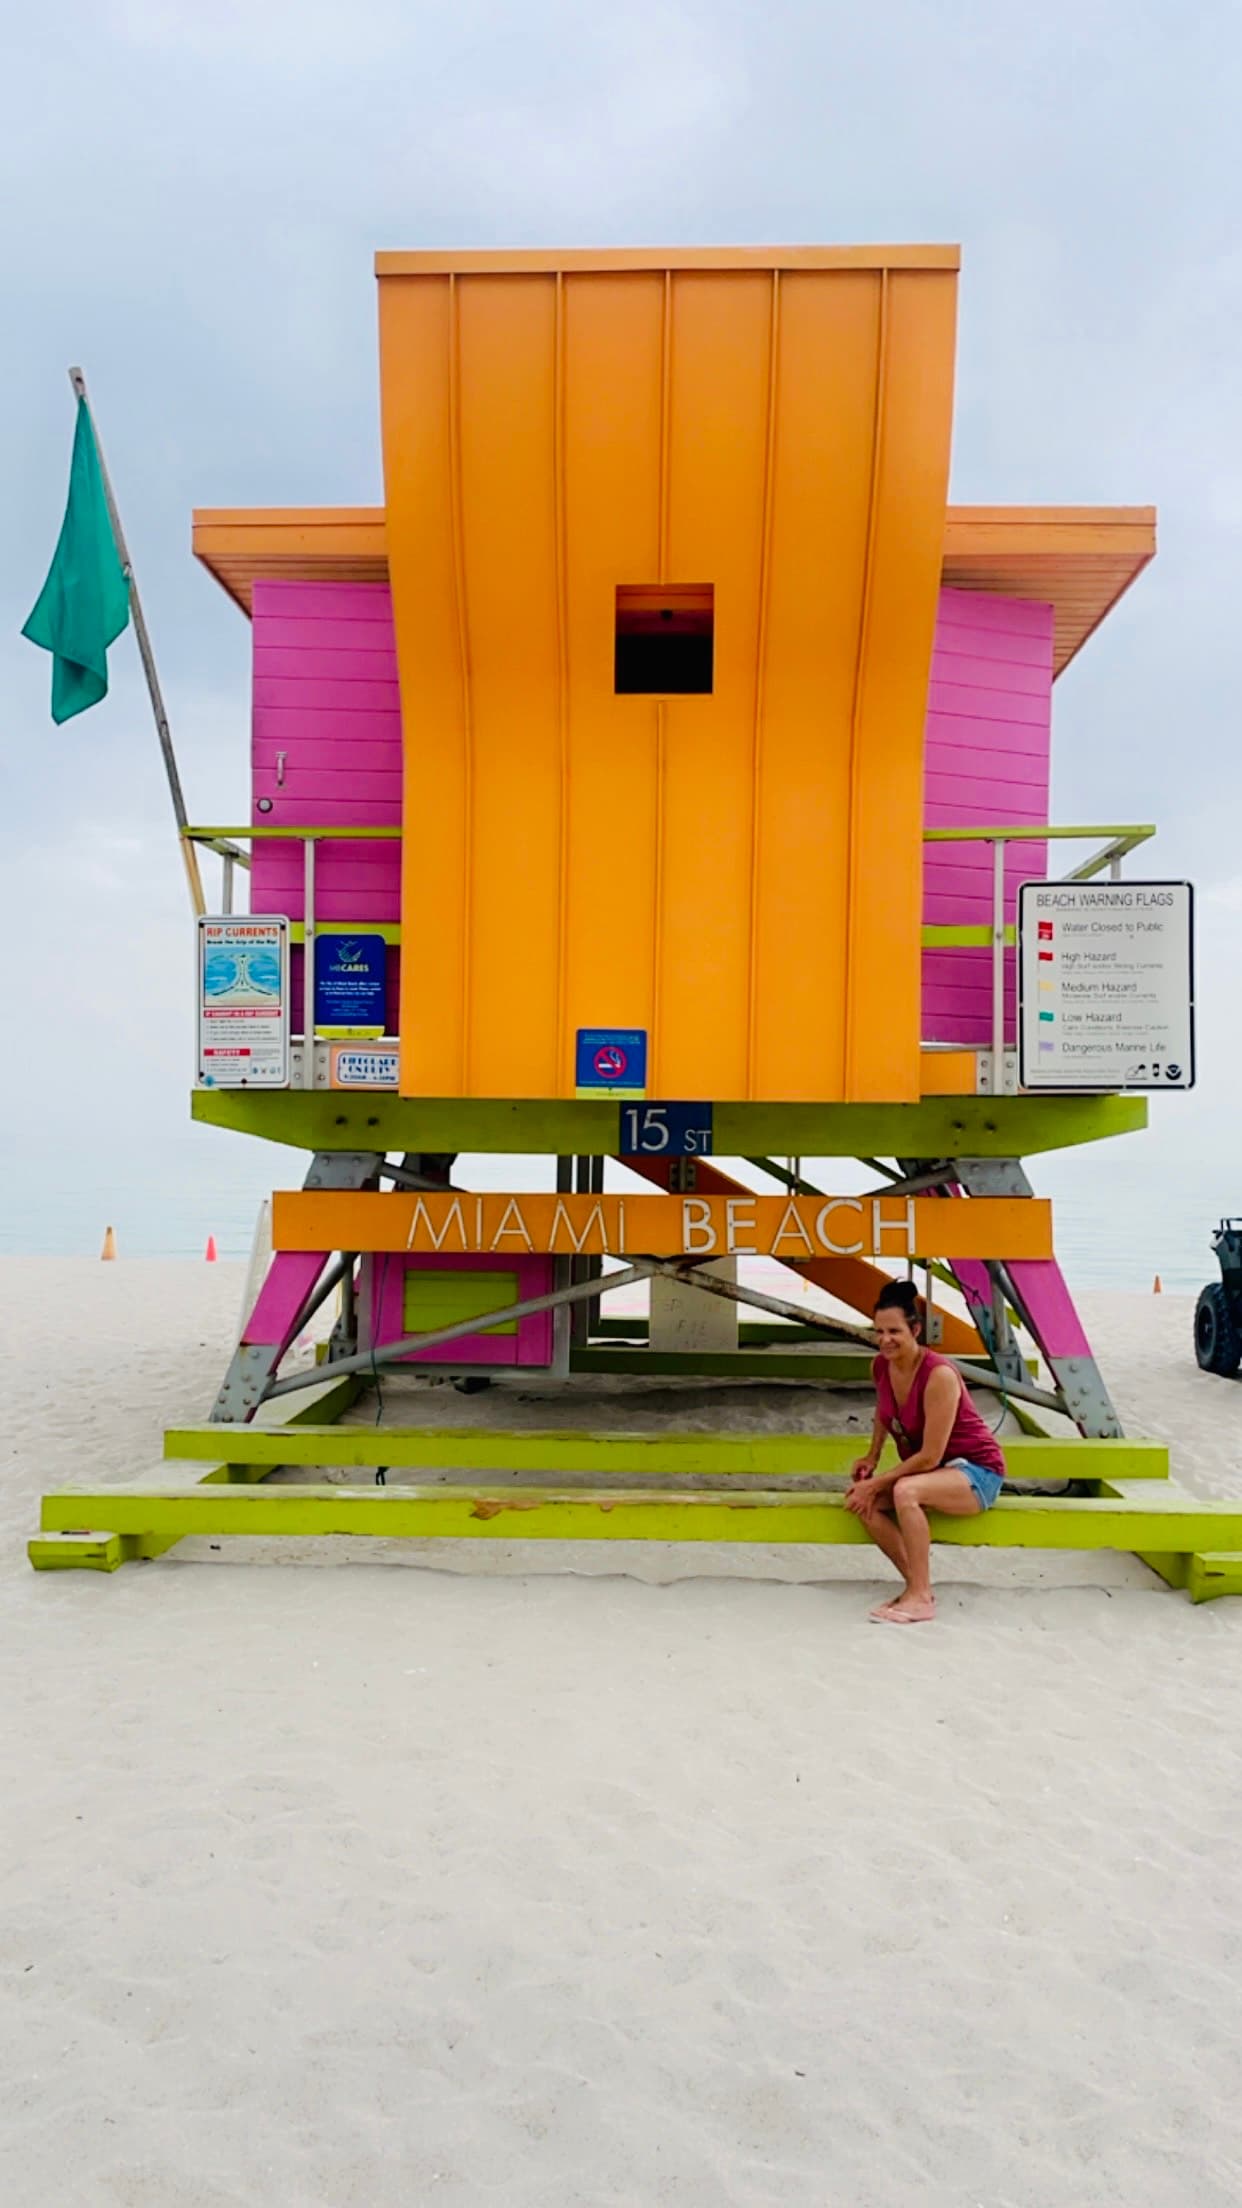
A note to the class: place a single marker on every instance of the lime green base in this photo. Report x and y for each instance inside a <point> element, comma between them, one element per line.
<point>938,1127</point>
<point>1202,1575</point>
<point>75,1546</point>
<point>1159,1522</point>
<point>1195,1545</point>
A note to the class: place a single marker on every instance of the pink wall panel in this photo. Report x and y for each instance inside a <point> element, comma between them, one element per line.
<point>530,1345</point>
<point>327,750</point>
<point>986,763</point>
<point>326,747</point>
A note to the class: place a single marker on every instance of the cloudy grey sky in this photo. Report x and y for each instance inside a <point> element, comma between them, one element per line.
<point>194,191</point>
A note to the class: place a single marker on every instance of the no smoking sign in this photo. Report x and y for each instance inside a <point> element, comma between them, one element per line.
<point>611,1061</point>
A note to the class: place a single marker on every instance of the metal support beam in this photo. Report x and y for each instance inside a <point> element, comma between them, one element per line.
<point>998,967</point>
<point>895,1184</point>
<point>580,1268</point>
<point>1082,1394</point>
<point>308,964</point>
<point>345,1332</point>
<point>344,1169</point>
<point>420,1169</point>
<point>253,1364</point>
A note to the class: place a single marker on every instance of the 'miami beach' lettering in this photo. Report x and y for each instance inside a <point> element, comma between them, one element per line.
<point>796,1229</point>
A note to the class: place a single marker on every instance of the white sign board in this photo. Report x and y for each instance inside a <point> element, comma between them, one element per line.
<point>243,1002</point>
<point>364,1066</point>
<point>1106,985</point>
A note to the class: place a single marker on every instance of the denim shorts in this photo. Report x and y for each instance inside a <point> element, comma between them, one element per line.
<point>987,1485</point>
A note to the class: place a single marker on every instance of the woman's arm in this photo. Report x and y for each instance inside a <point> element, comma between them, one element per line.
<point>866,1465</point>
<point>940,1401</point>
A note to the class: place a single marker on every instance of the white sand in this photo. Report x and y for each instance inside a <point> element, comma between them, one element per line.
<point>506,1884</point>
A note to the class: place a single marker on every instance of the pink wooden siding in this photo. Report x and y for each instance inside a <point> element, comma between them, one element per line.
<point>326,696</point>
<point>989,714</point>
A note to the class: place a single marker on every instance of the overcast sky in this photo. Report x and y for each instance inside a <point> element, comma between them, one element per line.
<point>194,190</point>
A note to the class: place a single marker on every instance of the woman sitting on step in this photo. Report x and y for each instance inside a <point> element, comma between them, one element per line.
<point>950,1459</point>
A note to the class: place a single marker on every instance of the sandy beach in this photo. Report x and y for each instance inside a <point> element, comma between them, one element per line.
<point>545,1879</point>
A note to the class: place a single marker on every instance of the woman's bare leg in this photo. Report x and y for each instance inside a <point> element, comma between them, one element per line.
<point>887,1535</point>
<point>948,1491</point>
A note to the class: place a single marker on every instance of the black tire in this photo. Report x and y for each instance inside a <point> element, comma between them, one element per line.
<point>1218,1343</point>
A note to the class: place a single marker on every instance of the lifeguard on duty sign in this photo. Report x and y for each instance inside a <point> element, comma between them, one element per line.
<point>1106,985</point>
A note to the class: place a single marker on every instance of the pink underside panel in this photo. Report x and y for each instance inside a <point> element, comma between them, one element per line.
<point>326,746</point>
<point>532,1343</point>
<point>987,756</point>
<point>1058,1328</point>
<point>290,1277</point>
<point>1041,1285</point>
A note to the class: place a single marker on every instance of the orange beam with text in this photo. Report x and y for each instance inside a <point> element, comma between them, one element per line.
<point>694,1226</point>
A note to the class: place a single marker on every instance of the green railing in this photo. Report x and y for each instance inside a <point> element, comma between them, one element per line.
<point>1114,845</point>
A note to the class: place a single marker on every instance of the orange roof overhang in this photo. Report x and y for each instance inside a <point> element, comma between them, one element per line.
<point>1078,559</point>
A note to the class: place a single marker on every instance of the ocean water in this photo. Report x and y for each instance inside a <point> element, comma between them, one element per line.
<point>1125,1211</point>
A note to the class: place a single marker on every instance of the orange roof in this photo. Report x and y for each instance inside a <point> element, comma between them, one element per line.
<point>629,259</point>
<point>1079,559</point>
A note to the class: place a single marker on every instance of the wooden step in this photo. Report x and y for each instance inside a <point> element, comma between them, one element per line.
<point>1157,1522</point>
<point>625,1455</point>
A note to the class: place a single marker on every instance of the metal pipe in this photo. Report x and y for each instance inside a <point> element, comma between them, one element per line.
<point>226,882</point>
<point>595,1265</point>
<point>188,853</point>
<point>308,965</point>
<point>998,968</point>
<point>579,1267</point>
<point>320,1293</point>
<point>712,1285</point>
<point>349,1299</point>
<point>898,1184</point>
<point>401,1177</point>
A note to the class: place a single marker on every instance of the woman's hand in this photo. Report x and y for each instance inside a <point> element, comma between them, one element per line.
<point>863,1469</point>
<point>863,1497</point>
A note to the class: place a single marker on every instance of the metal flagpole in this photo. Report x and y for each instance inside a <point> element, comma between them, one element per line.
<point>188,853</point>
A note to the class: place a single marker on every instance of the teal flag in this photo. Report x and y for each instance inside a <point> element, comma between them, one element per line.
<point>84,604</point>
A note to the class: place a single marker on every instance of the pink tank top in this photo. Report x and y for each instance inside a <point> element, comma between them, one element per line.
<point>970,1437</point>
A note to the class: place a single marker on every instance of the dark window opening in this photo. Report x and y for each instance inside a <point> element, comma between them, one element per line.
<point>664,639</point>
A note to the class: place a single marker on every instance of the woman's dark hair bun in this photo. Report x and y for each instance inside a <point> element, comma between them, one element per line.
<point>903,1296</point>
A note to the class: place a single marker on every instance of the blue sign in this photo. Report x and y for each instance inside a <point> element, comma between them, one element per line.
<point>350,981</point>
<point>666,1130</point>
<point>612,1059</point>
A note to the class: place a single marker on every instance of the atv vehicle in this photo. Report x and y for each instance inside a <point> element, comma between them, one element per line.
<point>1218,1313</point>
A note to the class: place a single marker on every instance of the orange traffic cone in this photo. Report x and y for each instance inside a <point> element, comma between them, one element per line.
<point>1156,1288</point>
<point>212,1252</point>
<point>109,1248</point>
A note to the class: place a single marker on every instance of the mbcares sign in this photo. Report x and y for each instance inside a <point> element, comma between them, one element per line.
<point>790,1228</point>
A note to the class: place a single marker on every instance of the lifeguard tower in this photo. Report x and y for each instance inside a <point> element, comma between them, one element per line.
<point>652,779</point>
